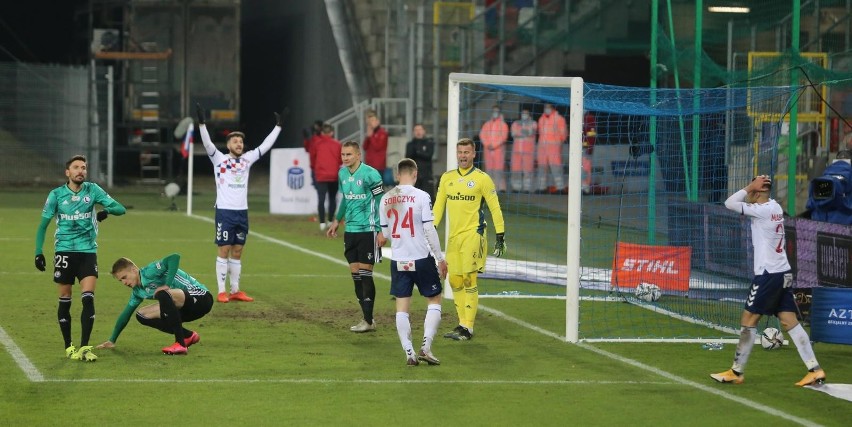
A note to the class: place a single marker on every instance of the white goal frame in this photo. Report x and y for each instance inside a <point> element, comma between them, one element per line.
<point>575,156</point>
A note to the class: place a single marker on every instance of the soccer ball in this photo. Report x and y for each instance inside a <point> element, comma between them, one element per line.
<point>771,339</point>
<point>648,292</point>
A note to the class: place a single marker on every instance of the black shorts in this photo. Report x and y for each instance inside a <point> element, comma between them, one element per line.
<point>360,247</point>
<point>68,266</point>
<point>195,306</point>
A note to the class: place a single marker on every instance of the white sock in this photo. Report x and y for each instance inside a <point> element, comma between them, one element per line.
<point>747,335</point>
<point>803,344</point>
<point>430,326</point>
<point>235,267</point>
<point>403,329</point>
<point>221,273</point>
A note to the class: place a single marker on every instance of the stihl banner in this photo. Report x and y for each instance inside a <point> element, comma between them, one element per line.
<point>664,266</point>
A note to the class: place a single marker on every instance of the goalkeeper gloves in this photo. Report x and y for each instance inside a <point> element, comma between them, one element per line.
<point>40,263</point>
<point>199,113</point>
<point>500,246</point>
<point>102,215</point>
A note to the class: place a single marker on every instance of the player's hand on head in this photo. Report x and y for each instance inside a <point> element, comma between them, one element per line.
<point>500,245</point>
<point>102,215</point>
<point>40,262</point>
<point>199,113</point>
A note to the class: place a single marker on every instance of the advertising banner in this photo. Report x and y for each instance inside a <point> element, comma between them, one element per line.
<point>291,190</point>
<point>831,315</point>
<point>665,266</point>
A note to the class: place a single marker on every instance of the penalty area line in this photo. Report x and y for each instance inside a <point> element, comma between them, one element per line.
<point>677,379</point>
<point>751,404</point>
<point>20,358</point>
<point>353,381</point>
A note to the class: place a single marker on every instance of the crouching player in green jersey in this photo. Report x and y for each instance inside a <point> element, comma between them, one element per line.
<point>75,248</point>
<point>180,298</point>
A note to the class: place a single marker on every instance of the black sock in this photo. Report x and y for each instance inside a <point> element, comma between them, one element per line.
<point>368,295</point>
<point>87,317</point>
<point>63,314</point>
<point>359,288</point>
<point>170,315</point>
<point>154,323</point>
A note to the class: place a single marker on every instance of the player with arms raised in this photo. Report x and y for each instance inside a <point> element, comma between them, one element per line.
<point>75,252</point>
<point>465,192</point>
<point>771,290</point>
<point>406,220</point>
<point>232,225</point>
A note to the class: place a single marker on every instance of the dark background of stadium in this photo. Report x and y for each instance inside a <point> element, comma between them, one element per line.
<point>288,58</point>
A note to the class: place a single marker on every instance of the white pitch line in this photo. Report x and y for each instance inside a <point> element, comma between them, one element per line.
<point>613,356</point>
<point>20,358</point>
<point>34,375</point>
<point>355,381</point>
<point>680,380</point>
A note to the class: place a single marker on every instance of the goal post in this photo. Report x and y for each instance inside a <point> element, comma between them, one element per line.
<point>573,88</point>
<point>616,231</point>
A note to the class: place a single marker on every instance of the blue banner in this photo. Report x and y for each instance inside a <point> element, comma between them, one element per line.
<point>831,315</point>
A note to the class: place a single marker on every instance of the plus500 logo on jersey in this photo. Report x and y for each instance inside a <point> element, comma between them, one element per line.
<point>351,196</point>
<point>76,216</point>
<point>665,266</point>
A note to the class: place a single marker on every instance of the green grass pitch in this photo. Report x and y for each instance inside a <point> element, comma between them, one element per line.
<point>289,358</point>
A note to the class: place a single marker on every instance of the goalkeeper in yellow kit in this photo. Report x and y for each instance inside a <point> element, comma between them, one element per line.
<point>465,192</point>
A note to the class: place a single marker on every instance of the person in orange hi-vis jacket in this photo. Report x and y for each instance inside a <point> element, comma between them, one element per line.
<point>523,152</point>
<point>589,136</point>
<point>552,133</point>
<point>494,134</point>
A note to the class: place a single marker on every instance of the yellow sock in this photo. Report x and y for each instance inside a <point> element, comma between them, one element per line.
<point>457,285</point>
<point>471,300</point>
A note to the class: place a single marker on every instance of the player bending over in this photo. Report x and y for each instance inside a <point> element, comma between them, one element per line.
<point>180,298</point>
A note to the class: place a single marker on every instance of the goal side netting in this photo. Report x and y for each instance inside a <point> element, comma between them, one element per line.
<point>632,195</point>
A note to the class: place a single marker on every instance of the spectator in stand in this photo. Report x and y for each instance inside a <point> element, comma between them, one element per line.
<point>311,135</point>
<point>552,133</point>
<point>325,165</point>
<point>420,149</point>
<point>494,134</point>
<point>376,144</point>
<point>523,152</point>
<point>590,134</point>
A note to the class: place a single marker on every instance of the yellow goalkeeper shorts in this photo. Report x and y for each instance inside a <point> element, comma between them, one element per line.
<point>466,253</point>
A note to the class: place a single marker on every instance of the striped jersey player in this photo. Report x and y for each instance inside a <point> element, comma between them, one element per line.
<point>231,171</point>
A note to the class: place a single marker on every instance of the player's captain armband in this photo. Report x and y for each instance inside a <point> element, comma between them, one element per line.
<point>405,266</point>
<point>378,189</point>
<point>788,280</point>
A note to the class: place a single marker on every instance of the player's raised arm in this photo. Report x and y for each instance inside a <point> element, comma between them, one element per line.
<point>202,129</point>
<point>270,139</point>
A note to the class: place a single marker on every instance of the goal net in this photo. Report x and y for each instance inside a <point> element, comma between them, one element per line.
<point>633,196</point>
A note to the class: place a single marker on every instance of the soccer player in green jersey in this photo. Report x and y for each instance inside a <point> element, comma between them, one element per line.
<point>465,192</point>
<point>361,187</point>
<point>75,251</point>
<point>180,298</point>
